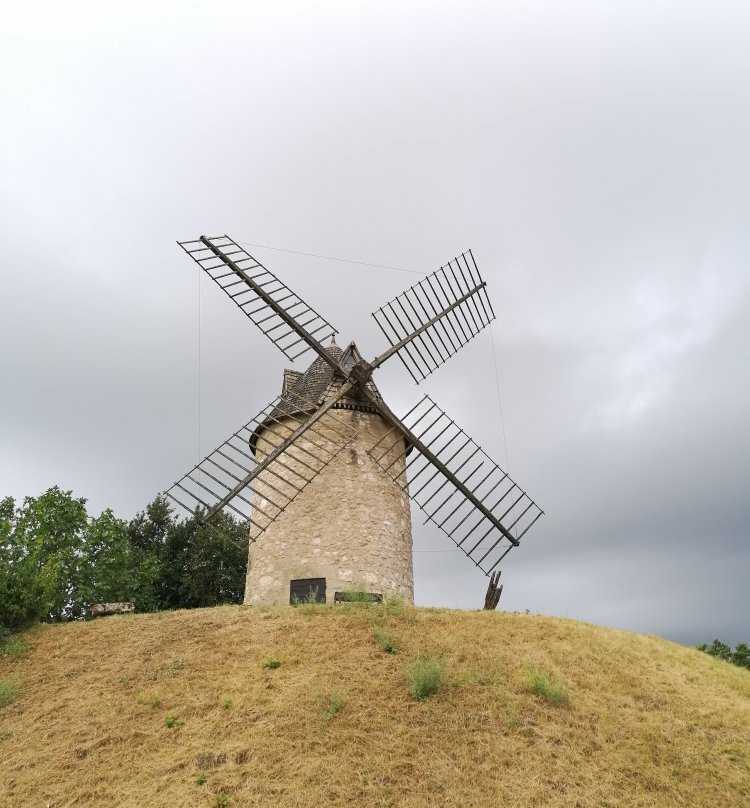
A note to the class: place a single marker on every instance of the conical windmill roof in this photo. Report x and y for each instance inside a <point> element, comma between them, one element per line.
<point>307,390</point>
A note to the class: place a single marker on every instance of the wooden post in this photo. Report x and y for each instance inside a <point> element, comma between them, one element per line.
<point>492,598</point>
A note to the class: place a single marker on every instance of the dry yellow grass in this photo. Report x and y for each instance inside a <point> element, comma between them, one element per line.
<point>647,722</point>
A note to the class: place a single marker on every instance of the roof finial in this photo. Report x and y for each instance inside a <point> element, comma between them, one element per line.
<point>333,341</point>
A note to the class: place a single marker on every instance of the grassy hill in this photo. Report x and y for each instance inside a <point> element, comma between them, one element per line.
<point>179,709</point>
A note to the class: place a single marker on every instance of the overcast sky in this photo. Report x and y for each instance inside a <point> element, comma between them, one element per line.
<point>593,155</point>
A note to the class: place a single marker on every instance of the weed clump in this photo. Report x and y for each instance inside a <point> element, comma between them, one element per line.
<point>171,721</point>
<point>11,644</point>
<point>8,691</point>
<point>221,799</point>
<point>423,678</point>
<point>153,700</point>
<point>385,640</point>
<point>271,662</point>
<point>310,599</point>
<point>551,690</point>
<point>168,670</point>
<point>335,703</point>
<point>395,606</point>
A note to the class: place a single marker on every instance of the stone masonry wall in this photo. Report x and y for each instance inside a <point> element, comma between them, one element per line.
<point>351,525</point>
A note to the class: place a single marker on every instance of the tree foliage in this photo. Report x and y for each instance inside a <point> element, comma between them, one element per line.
<point>56,560</point>
<point>740,656</point>
<point>203,565</point>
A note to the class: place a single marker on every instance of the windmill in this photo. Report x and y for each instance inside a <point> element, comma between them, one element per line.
<point>324,474</point>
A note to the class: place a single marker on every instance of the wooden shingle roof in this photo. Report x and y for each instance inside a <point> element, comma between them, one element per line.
<point>303,392</point>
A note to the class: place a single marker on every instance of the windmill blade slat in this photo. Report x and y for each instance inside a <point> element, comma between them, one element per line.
<point>274,316</point>
<point>270,461</point>
<point>435,318</point>
<point>467,495</point>
<point>217,477</point>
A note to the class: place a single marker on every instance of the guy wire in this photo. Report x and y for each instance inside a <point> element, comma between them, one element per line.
<point>331,258</point>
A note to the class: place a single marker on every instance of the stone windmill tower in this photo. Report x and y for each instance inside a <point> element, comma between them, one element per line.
<point>323,474</point>
<point>352,528</point>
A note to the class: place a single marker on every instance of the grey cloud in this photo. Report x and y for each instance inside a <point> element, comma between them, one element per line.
<point>595,159</point>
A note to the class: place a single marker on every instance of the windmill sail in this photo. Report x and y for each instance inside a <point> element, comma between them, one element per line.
<point>281,314</point>
<point>460,489</point>
<point>260,469</point>
<point>214,481</point>
<point>435,318</point>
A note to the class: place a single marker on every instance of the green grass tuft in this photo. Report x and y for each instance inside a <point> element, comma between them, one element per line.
<point>311,599</point>
<point>551,690</point>
<point>394,602</point>
<point>395,606</point>
<point>152,699</point>
<point>168,670</point>
<point>271,662</point>
<point>334,704</point>
<point>423,678</point>
<point>8,691</point>
<point>385,640</point>
<point>12,645</point>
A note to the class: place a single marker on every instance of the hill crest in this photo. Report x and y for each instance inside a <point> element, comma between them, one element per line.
<point>187,708</point>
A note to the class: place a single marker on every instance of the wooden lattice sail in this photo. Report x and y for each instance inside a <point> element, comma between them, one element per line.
<point>459,487</point>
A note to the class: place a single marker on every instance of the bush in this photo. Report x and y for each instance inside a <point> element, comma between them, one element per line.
<point>551,690</point>
<point>423,678</point>
<point>271,662</point>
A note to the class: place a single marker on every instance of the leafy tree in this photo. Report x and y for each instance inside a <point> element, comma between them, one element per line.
<point>147,537</point>
<point>147,531</point>
<point>56,561</point>
<point>106,571</point>
<point>740,656</point>
<point>717,649</point>
<point>204,565</point>
<point>42,556</point>
<point>27,584</point>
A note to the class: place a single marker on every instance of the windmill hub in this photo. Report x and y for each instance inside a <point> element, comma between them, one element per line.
<point>361,373</point>
<point>324,473</point>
